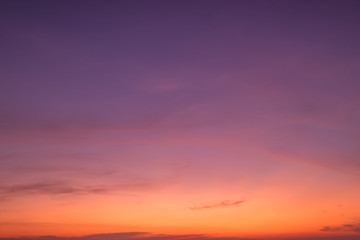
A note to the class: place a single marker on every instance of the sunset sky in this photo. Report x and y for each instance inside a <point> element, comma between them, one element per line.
<point>177,119</point>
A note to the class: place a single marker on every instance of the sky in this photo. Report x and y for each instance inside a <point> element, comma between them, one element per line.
<point>162,120</point>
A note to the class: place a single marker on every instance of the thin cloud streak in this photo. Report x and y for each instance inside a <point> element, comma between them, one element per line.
<point>50,188</point>
<point>65,188</point>
<point>222,204</point>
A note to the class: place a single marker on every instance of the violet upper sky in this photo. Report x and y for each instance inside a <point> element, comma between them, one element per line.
<point>181,105</point>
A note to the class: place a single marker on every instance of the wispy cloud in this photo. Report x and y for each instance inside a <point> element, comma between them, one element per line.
<point>64,188</point>
<point>52,188</point>
<point>226,203</point>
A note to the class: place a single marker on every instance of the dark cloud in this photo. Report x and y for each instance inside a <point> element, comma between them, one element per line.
<point>127,236</point>
<point>342,228</point>
<point>352,237</point>
<point>114,236</point>
<point>225,203</point>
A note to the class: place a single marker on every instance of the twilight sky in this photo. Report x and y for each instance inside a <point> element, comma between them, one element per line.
<point>208,119</point>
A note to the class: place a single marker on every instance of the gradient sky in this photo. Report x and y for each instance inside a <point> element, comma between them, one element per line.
<point>186,118</point>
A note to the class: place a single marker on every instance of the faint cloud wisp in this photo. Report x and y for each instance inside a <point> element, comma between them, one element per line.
<point>226,203</point>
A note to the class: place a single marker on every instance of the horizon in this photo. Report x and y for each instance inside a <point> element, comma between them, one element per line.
<point>150,236</point>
